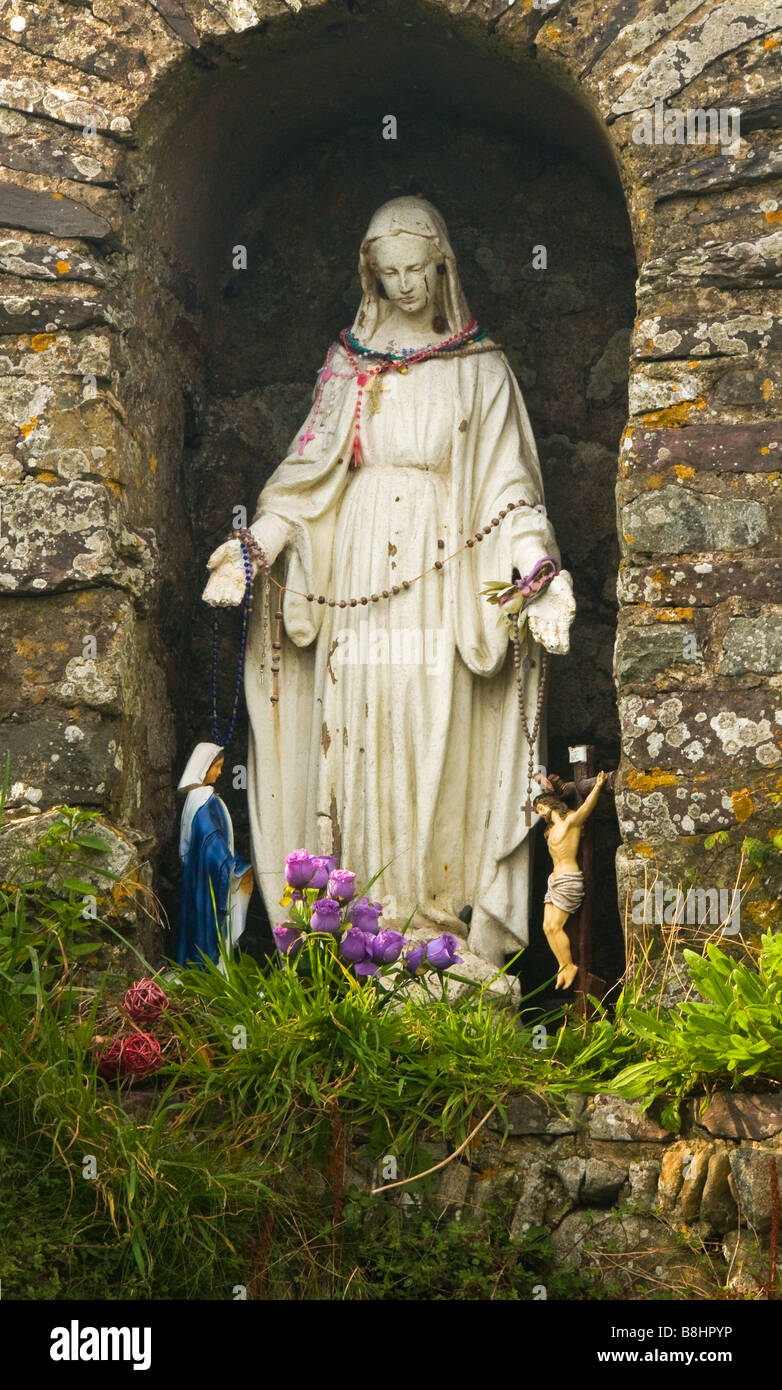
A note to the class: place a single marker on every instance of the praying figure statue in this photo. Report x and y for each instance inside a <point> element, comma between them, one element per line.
<point>389,733</point>
<point>216,884</point>
<point>565,892</point>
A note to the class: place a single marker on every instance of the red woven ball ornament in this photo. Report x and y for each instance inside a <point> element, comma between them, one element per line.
<point>141,1055</point>
<point>145,1001</point>
<point>109,1061</point>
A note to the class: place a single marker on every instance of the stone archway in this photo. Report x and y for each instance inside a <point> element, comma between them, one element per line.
<point>106,360</point>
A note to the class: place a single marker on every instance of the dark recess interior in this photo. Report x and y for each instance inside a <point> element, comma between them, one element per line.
<point>273,141</point>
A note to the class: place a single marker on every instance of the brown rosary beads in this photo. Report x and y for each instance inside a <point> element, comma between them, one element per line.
<point>245,535</point>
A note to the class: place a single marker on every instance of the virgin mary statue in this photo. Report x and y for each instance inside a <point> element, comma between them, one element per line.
<point>396,742</point>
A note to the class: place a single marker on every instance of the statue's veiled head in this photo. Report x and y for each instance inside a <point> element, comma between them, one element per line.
<point>406,261</point>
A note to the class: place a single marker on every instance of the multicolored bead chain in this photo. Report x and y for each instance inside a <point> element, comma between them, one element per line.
<point>398,361</point>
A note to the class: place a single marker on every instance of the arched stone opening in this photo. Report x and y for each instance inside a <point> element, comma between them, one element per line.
<point>274,143</point>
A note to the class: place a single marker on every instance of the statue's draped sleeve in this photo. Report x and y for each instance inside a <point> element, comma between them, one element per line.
<point>300,502</point>
<point>494,462</point>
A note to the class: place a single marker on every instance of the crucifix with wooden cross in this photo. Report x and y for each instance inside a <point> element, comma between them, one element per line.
<point>569,901</point>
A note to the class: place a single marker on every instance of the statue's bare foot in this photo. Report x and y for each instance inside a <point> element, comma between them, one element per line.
<point>566,976</point>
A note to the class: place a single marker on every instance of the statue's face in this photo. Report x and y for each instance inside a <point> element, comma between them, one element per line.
<point>214,772</point>
<point>405,267</point>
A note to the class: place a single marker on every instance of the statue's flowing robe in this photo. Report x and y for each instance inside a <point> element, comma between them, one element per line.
<point>397,741</point>
<point>212,905</point>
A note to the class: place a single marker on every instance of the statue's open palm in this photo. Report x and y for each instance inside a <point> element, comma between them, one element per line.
<point>551,614</point>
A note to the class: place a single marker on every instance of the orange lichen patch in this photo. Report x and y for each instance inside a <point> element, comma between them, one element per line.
<point>774,216</point>
<point>153,464</point>
<point>47,478</point>
<point>58,196</point>
<point>648,781</point>
<point>765,449</point>
<point>29,427</point>
<point>114,488</point>
<point>682,471</point>
<point>676,615</point>
<point>659,577</point>
<point>655,481</point>
<point>645,850</point>
<point>767,387</point>
<point>41,341</point>
<point>673,416</point>
<point>770,42</point>
<point>742,805</point>
<point>29,648</point>
<point>62,267</point>
<point>764,913</point>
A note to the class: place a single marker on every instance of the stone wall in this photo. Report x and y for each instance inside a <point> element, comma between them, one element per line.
<point>133,139</point>
<point>662,1215</point>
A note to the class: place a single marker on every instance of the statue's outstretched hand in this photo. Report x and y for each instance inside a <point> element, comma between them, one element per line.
<point>226,583</point>
<point>551,614</point>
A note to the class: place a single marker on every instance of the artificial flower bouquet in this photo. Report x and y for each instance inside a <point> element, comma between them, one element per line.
<point>323,907</point>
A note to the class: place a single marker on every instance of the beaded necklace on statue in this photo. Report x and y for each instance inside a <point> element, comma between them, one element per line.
<point>396,361</point>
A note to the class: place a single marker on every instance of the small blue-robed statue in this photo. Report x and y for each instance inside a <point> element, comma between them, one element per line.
<point>216,883</point>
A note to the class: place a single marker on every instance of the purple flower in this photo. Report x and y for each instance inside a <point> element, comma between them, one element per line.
<point>288,939</point>
<point>354,946</point>
<point>298,868</point>
<point>441,951</point>
<point>364,915</point>
<point>342,885</point>
<point>322,868</point>
<point>366,967</point>
<point>414,958</point>
<point>326,915</point>
<point>387,946</point>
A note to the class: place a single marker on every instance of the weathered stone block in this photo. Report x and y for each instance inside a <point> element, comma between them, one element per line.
<point>673,521</point>
<point>718,1208</point>
<point>39,211</point>
<point>684,582</point>
<point>752,645</point>
<point>588,1180</point>
<point>68,537</point>
<point>530,1114</point>
<point>57,759</point>
<point>751,1180</point>
<point>643,652</point>
<point>612,1117</point>
<point>69,650</point>
<point>735,1116</point>
<point>697,730</point>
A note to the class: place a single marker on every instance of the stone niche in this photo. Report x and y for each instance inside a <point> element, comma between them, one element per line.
<point>149,385</point>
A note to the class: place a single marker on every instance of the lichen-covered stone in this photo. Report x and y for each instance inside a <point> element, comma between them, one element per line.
<point>643,652</point>
<point>753,645</point>
<point>674,521</point>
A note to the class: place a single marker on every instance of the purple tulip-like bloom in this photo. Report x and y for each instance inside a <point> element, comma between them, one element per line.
<point>288,939</point>
<point>387,946</point>
<point>298,868</point>
<point>366,967</point>
<point>414,958</point>
<point>326,915</point>
<point>342,885</point>
<point>354,946</point>
<point>364,915</point>
<point>322,867</point>
<point>441,951</point>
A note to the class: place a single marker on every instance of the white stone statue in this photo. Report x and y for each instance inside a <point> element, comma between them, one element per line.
<point>396,742</point>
